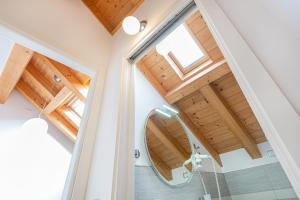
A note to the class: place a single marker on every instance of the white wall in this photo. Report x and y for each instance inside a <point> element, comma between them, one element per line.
<point>101,183</point>
<point>272,29</point>
<point>33,166</point>
<point>64,25</point>
<point>146,99</point>
<point>239,159</point>
<point>5,48</point>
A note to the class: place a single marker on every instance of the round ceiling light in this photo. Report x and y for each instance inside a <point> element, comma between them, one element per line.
<point>131,25</point>
<point>35,126</point>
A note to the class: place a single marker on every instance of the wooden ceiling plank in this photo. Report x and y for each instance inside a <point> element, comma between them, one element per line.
<point>54,118</point>
<point>29,94</point>
<point>67,78</point>
<point>40,77</point>
<point>166,141</point>
<point>95,10</point>
<point>63,111</point>
<point>200,136</point>
<point>205,77</point>
<point>143,68</point>
<point>161,166</point>
<point>112,13</point>
<point>40,87</point>
<point>15,65</point>
<point>130,12</point>
<point>231,120</point>
<point>58,100</point>
<point>65,127</point>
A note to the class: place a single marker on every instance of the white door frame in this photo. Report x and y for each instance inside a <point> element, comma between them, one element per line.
<point>76,181</point>
<point>124,172</point>
<point>274,112</point>
<point>267,101</point>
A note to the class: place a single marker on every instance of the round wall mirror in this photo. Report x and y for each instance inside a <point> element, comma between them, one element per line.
<point>168,147</point>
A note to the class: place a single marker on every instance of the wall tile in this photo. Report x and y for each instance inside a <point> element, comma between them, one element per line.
<point>149,187</point>
<point>267,182</point>
<point>263,182</point>
<point>277,176</point>
<point>248,181</point>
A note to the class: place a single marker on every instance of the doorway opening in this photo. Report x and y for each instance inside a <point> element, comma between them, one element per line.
<point>212,105</point>
<point>42,109</point>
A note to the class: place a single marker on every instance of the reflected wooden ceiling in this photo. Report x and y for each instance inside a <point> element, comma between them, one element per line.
<point>53,88</point>
<point>209,98</point>
<point>112,12</point>
<point>167,143</point>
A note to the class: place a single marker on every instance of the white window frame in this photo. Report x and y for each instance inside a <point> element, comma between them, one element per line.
<point>196,63</point>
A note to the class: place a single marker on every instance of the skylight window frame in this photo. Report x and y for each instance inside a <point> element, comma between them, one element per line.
<point>72,107</point>
<point>198,63</point>
<point>69,111</point>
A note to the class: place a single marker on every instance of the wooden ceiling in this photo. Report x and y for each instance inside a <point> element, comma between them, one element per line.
<point>32,74</point>
<point>167,143</point>
<point>112,12</point>
<point>209,98</point>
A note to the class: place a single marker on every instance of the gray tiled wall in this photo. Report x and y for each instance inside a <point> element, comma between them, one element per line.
<point>267,182</point>
<point>149,187</point>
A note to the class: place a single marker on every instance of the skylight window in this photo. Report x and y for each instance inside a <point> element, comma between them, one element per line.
<point>78,107</point>
<point>74,111</point>
<point>182,46</point>
<point>73,116</point>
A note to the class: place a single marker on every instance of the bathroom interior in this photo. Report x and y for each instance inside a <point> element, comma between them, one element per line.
<point>196,136</point>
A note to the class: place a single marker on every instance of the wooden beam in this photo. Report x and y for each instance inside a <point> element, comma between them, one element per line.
<point>205,77</point>
<point>58,100</point>
<point>59,121</point>
<point>95,10</point>
<point>42,89</point>
<point>30,95</point>
<point>41,78</point>
<point>67,78</point>
<point>200,136</point>
<point>231,120</point>
<point>15,65</point>
<point>54,117</point>
<point>168,142</point>
<point>63,111</point>
<point>143,68</point>
<point>161,166</point>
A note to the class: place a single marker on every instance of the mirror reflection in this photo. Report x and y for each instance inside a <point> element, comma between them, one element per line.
<point>168,147</point>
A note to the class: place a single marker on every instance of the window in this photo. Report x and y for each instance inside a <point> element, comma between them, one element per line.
<point>73,116</point>
<point>78,107</point>
<point>74,111</point>
<point>181,48</point>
